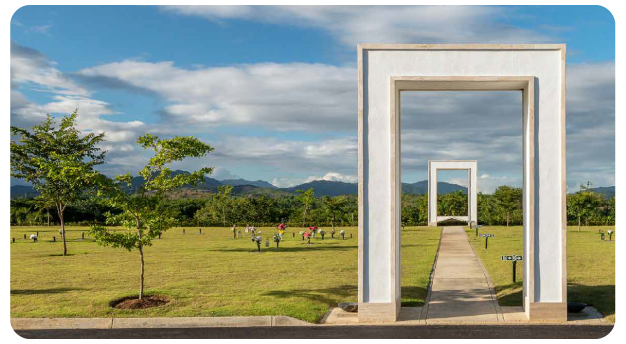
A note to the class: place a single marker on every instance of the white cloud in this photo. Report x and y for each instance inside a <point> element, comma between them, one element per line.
<point>488,184</point>
<point>391,24</point>
<point>33,71</point>
<point>289,155</point>
<point>440,125</point>
<point>29,68</point>
<point>330,176</point>
<point>293,96</point>
<point>221,173</point>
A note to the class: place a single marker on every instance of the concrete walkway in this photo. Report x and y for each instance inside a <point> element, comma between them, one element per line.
<point>460,290</point>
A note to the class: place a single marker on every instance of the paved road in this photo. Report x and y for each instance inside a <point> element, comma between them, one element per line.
<point>423,332</point>
<point>460,288</point>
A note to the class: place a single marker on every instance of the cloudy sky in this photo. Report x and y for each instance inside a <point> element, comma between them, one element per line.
<point>273,89</point>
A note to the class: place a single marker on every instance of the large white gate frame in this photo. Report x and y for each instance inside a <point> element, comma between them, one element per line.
<point>471,166</point>
<point>538,71</point>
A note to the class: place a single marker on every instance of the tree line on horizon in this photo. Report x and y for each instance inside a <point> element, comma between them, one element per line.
<point>222,209</point>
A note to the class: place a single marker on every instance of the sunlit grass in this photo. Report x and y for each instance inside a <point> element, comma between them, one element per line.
<point>590,265</point>
<point>210,274</point>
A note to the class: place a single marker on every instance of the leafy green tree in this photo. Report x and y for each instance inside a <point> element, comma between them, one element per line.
<point>584,203</point>
<point>487,209</point>
<point>508,199</point>
<point>46,204</point>
<point>422,209</point>
<point>306,198</point>
<point>142,212</point>
<point>613,209</point>
<point>409,214</point>
<point>222,200</point>
<point>58,161</point>
<point>334,206</point>
<point>453,203</point>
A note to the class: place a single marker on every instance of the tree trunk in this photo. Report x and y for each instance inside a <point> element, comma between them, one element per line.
<point>333,222</point>
<point>507,219</point>
<point>578,224</point>
<point>142,261</point>
<point>62,230</point>
<point>142,271</point>
<point>48,213</point>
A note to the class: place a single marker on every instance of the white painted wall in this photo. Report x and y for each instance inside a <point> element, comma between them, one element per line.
<point>378,67</point>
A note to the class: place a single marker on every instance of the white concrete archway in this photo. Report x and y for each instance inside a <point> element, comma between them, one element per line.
<point>538,71</point>
<point>471,166</point>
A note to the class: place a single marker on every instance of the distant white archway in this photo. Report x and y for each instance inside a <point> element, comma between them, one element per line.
<point>538,71</point>
<point>471,166</point>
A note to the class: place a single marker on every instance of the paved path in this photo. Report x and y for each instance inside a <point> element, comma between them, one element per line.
<point>460,288</point>
<point>430,331</point>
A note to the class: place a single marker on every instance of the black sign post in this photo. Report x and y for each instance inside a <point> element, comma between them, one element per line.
<point>487,236</point>
<point>474,225</point>
<point>514,258</point>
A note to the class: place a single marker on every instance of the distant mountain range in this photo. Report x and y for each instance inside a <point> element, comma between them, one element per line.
<point>25,191</point>
<point>242,187</point>
<point>607,191</point>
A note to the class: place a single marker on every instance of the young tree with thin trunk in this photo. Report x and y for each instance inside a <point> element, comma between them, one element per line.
<point>222,198</point>
<point>583,204</point>
<point>306,198</point>
<point>58,161</point>
<point>508,199</point>
<point>143,212</point>
<point>44,204</point>
<point>334,206</point>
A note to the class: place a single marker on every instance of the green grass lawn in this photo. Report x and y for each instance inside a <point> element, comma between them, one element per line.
<point>205,275</point>
<point>590,265</point>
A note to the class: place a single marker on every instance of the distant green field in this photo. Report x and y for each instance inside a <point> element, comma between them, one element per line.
<point>590,265</point>
<point>206,275</point>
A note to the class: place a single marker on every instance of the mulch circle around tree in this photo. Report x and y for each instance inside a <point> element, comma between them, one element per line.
<point>133,302</point>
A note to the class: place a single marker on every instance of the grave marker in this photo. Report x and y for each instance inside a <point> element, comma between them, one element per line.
<point>514,258</point>
<point>487,236</point>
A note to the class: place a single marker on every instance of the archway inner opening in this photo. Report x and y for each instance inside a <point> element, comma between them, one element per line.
<point>485,126</point>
